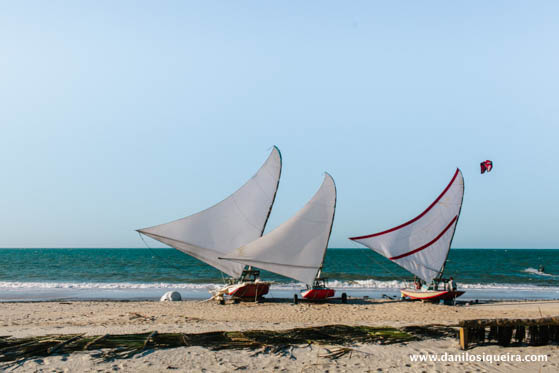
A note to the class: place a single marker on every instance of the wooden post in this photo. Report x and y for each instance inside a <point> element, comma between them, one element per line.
<point>464,334</point>
<point>534,337</point>
<point>492,333</point>
<point>554,333</point>
<point>479,334</point>
<point>520,333</point>
<point>504,335</point>
<point>544,334</point>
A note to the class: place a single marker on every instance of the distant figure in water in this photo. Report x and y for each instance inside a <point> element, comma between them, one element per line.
<point>541,269</point>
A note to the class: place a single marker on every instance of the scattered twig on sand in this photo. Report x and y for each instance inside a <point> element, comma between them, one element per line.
<point>337,353</point>
<point>136,315</point>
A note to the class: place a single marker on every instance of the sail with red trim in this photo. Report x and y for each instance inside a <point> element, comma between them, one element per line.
<point>421,245</point>
<point>296,248</point>
<point>233,222</point>
<point>486,166</point>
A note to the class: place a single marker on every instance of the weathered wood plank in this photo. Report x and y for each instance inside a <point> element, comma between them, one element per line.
<point>464,338</point>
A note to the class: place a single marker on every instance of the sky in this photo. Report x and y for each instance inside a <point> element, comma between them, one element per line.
<point>120,115</point>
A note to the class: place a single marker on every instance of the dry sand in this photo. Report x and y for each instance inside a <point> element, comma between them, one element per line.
<point>98,318</point>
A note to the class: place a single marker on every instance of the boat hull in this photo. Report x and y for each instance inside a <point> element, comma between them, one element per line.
<point>431,295</point>
<point>318,294</point>
<point>249,290</point>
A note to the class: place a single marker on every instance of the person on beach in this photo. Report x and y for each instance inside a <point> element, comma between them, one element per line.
<point>451,284</point>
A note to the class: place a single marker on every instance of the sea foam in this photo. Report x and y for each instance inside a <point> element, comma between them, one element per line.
<point>336,284</point>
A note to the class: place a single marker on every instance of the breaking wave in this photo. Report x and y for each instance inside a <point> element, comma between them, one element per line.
<point>336,284</point>
<point>102,285</point>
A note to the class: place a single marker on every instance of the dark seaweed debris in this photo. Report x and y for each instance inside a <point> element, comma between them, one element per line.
<point>118,346</point>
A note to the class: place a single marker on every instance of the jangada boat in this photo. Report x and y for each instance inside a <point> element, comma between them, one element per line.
<point>421,245</point>
<point>297,247</point>
<point>231,223</point>
<point>318,291</point>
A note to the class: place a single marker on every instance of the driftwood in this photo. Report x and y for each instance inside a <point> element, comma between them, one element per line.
<point>535,332</point>
<point>110,347</point>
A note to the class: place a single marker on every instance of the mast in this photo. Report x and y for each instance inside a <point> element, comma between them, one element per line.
<point>319,273</point>
<point>275,191</point>
<point>453,233</point>
<point>273,198</point>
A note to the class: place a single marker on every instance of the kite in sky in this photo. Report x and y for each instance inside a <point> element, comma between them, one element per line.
<point>486,166</point>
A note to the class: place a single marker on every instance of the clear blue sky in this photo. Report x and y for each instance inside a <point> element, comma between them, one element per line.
<point>117,115</point>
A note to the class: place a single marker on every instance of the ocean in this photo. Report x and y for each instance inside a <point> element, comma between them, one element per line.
<point>56,274</point>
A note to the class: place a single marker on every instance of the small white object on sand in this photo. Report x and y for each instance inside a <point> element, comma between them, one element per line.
<point>171,296</point>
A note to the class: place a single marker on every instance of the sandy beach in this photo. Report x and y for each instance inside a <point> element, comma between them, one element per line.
<point>290,154</point>
<point>101,317</point>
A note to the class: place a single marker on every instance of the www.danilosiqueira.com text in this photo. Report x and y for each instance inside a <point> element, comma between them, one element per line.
<point>467,357</point>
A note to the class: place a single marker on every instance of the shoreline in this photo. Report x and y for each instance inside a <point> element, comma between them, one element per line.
<point>459,302</point>
<point>154,292</point>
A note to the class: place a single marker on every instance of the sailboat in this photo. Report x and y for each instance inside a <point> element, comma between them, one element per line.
<point>421,245</point>
<point>297,247</point>
<point>231,223</point>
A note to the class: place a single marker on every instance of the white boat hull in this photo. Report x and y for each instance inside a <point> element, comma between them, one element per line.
<point>431,295</point>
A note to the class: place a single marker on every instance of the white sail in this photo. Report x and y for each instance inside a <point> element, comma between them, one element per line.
<point>421,245</point>
<point>296,248</point>
<point>233,222</point>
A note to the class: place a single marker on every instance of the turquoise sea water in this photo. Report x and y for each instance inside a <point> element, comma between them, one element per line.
<point>35,274</point>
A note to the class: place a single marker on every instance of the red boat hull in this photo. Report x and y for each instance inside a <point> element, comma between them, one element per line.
<point>431,295</point>
<point>318,294</point>
<point>249,290</point>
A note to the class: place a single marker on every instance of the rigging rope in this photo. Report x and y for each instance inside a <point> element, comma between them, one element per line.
<point>157,255</point>
<point>380,264</point>
<point>168,263</point>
